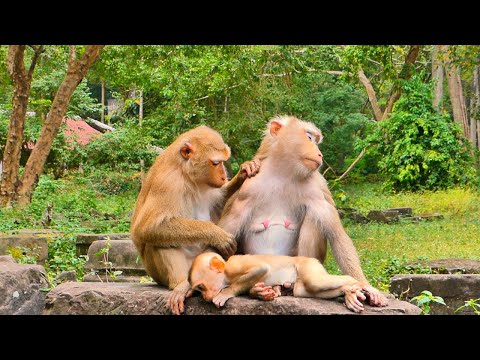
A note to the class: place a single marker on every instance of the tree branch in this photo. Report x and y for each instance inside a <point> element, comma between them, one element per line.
<point>377,112</point>
<point>405,74</point>
<point>72,56</point>
<point>351,166</point>
<point>38,50</point>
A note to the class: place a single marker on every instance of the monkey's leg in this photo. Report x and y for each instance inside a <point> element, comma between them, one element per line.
<point>315,282</point>
<point>311,242</point>
<point>324,218</point>
<point>242,284</point>
<point>169,267</point>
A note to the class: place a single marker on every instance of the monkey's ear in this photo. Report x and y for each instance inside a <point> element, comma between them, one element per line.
<point>217,265</point>
<point>187,150</point>
<point>275,127</point>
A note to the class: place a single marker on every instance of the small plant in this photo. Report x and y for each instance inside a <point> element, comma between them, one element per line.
<point>24,255</point>
<point>425,299</point>
<point>62,256</point>
<point>146,279</point>
<point>109,272</point>
<point>474,304</point>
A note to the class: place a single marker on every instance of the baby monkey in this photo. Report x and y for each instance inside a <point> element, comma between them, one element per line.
<point>219,280</point>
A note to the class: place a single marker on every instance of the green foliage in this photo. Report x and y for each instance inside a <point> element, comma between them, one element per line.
<point>380,270</point>
<point>121,149</point>
<point>62,257</point>
<point>387,249</point>
<point>77,204</point>
<point>108,265</point>
<point>23,255</point>
<point>420,148</point>
<point>425,299</point>
<point>473,304</point>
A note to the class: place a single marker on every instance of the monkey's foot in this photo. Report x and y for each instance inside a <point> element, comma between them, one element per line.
<point>374,296</point>
<point>177,297</point>
<point>262,292</point>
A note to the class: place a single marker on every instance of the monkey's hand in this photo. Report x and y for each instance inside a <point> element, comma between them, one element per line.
<point>178,296</point>
<point>375,297</point>
<point>262,292</point>
<point>249,168</point>
<point>221,298</point>
<point>227,247</point>
<point>352,295</point>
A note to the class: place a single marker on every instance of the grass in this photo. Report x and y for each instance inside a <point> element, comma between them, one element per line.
<point>381,245</point>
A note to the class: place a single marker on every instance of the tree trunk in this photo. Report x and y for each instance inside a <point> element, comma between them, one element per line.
<point>456,97</point>
<point>140,121</point>
<point>405,74</point>
<point>102,114</point>
<point>437,74</point>
<point>475,126</point>
<point>371,95</point>
<point>76,71</point>
<point>140,109</point>
<point>21,82</point>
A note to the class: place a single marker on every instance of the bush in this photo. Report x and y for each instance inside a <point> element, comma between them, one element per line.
<point>62,257</point>
<point>420,148</point>
<point>121,149</point>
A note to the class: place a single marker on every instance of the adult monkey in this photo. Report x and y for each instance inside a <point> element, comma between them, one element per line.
<point>182,196</point>
<point>287,209</point>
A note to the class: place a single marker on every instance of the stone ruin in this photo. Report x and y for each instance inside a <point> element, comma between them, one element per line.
<point>387,216</point>
<point>24,289</point>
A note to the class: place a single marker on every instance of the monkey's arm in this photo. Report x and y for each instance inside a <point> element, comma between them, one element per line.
<point>247,169</point>
<point>343,248</point>
<point>242,284</point>
<point>182,231</point>
<point>328,221</point>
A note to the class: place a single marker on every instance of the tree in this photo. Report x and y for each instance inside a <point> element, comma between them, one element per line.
<point>461,61</point>
<point>77,68</point>
<point>22,80</point>
<point>421,149</point>
<point>437,76</point>
<point>386,61</point>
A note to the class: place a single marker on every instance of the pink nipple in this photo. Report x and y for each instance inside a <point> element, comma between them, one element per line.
<point>266,223</point>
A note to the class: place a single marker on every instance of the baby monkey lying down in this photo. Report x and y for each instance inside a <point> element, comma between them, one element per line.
<point>219,281</point>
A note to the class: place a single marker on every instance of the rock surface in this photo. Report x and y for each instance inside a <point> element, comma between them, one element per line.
<point>31,242</point>
<point>84,241</point>
<point>122,256</point>
<point>20,286</point>
<point>455,289</point>
<point>451,266</point>
<point>150,299</point>
<point>384,216</point>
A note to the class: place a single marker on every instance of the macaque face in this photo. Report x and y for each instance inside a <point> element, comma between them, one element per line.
<point>217,175</point>
<point>207,161</point>
<point>306,142</point>
<point>207,276</point>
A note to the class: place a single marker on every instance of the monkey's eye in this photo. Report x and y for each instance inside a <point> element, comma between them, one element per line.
<point>215,163</point>
<point>201,287</point>
<point>311,137</point>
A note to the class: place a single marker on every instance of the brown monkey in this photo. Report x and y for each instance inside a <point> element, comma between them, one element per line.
<point>219,281</point>
<point>182,196</point>
<point>287,209</point>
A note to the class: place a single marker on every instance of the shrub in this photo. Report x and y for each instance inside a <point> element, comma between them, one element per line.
<point>420,148</point>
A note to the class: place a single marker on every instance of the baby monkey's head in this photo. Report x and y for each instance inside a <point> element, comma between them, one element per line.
<point>207,275</point>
